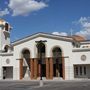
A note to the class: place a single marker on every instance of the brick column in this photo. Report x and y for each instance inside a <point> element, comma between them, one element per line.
<point>32,68</point>
<point>63,67</point>
<point>39,69</point>
<point>35,68</point>
<point>51,68</point>
<point>47,68</point>
<point>21,68</point>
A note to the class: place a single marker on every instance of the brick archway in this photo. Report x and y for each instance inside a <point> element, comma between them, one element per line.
<point>25,64</point>
<point>57,62</point>
<point>52,62</point>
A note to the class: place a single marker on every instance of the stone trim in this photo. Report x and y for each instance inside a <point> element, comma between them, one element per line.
<point>81,50</point>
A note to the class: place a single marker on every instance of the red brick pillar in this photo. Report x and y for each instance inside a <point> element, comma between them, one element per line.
<point>47,68</point>
<point>39,69</point>
<point>51,68</point>
<point>63,67</point>
<point>35,68</point>
<point>21,68</point>
<point>32,68</point>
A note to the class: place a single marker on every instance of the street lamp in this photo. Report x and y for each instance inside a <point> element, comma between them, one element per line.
<point>39,46</point>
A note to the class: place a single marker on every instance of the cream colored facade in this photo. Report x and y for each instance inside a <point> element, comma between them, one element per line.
<point>62,57</point>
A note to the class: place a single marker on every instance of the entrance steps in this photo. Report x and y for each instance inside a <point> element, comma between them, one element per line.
<point>26,78</point>
<point>54,79</point>
<point>57,79</point>
<point>44,79</point>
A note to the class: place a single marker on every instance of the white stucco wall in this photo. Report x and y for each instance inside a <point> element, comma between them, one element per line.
<point>77,57</point>
<point>13,63</point>
<point>50,44</point>
<point>0,68</point>
<point>3,63</point>
<point>76,60</point>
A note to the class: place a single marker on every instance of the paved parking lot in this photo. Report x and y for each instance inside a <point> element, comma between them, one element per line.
<point>48,85</point>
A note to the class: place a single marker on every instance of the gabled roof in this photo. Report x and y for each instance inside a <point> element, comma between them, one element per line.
<point>46,35</point>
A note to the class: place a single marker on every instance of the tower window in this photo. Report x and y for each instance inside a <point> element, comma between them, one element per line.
<point>6,26</point>
<point>6,48</point>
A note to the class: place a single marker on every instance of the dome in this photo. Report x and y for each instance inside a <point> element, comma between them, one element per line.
<point>2,21</point>
<point>4,25</point>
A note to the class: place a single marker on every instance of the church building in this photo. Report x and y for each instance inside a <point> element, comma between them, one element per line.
<point>43,56</point>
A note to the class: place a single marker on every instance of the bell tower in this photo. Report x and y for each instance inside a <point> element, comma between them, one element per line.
<point>4,36</point>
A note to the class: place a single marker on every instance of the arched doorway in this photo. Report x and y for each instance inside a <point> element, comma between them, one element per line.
<point>26,63</point>
<point>41,59</point>
<point>57,62</point>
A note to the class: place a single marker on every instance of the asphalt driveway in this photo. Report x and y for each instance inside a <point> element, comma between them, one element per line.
<point>48,85</point>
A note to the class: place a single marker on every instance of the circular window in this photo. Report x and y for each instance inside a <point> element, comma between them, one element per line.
<point>83,57</point>
<point>7,61</point>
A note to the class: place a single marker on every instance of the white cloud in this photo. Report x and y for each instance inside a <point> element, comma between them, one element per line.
<point>85,25</point>
<point>60,33</point>
<point>4,12</point>
<point>24,7</point>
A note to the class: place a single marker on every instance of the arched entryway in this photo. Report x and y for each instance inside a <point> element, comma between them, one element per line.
<point>41,59</point>
<point>57,62</point>
<point>25,62</point>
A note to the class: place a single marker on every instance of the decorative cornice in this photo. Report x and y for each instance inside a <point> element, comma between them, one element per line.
<point>85,42</point>
<point>6,54</point>
<point>81,50</point>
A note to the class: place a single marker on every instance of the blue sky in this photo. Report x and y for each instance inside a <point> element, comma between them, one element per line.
<point>50,16</point>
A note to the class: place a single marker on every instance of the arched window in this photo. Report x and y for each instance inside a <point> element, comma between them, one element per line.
<point>57,62</point>
<point>41,50</point>
<point>57,52</point>
<point>26,53</point>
